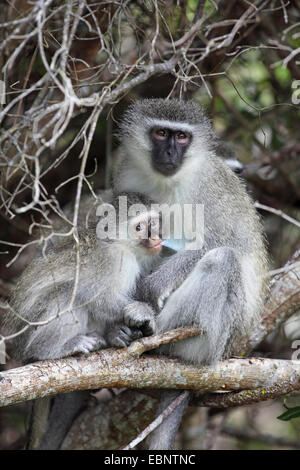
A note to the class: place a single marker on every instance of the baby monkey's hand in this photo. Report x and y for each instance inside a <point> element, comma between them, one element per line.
<point>122,336</point>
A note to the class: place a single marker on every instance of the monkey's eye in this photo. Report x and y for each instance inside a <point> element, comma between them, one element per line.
<point>139,227</point>
<point>182,137</point>
<point>160,134</point>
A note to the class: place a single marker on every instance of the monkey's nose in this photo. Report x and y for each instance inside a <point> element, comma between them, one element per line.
<point>237,167</point>
<point>239,170</point>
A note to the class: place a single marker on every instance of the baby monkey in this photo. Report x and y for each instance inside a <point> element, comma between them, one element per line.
<point>81,298</point>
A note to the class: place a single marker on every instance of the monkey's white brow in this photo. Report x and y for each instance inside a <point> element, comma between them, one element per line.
<point>176,126</point>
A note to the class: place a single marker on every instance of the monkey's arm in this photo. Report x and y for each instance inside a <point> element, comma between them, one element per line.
<point>158,286</point>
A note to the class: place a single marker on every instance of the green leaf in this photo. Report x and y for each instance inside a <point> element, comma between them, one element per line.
<point>291,413</point>
<point>283,75</point>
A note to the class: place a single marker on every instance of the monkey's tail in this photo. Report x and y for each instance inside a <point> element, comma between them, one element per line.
<point>65,409</point>
<point>38,422</point>
<point>48,434</point>
<point>163,437</point>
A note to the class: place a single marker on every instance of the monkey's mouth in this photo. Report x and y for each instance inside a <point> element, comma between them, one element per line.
<point>155,249</point>
<point>166,169</point>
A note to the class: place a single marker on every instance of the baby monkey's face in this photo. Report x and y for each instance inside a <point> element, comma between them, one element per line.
<point>145,230</point>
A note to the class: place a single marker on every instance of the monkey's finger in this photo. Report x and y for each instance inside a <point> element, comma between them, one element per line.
<point>121,338</point>
<point>119,343</point>
<point>134,321</point>
<point>131,334</point>
<point>148,328</point>
<point>126,330</point>
<point>163,298</point>
<point>136,333</point>
<point>124,338</point>
<point>138,320</point>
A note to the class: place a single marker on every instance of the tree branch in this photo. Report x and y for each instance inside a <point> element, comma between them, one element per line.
<point>252,435</point>
<point>123,368</point>
<point>117,368</point>
<point>115,423</point>
<point>151,342</point>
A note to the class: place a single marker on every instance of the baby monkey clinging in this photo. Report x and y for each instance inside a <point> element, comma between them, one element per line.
<point>94,308</point>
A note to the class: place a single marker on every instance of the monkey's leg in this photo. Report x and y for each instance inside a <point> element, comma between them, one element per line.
<point>43,435</point>
<point>211,297</point>
<point>67,406</point>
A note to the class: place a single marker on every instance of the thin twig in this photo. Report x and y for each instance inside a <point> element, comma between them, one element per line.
<point>167,411</point>
<point>278,212</point>
<point>152,342</point>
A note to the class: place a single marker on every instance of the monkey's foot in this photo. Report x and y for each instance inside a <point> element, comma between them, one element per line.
<point>86,344</point>
<point>122,336</point>
<point>140,315</point>
<point>164,297</point>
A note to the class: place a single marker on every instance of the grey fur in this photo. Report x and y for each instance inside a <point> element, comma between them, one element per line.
<point>104,311</point>
<point>169,427</point>
<point>220,286</point>
<point>69,404</point>
<point>107,279</point>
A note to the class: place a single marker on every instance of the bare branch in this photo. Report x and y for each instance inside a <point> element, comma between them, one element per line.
<point>252,435</point>
<point>280,213</point>
<point>117,368</point>
<point>151,342</point>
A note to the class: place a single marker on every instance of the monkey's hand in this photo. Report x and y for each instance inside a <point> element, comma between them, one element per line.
<point>122,336</point>
<point>140,315</point>
<point>84,344</point>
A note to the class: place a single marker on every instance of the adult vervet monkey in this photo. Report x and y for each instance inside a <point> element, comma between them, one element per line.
<point>168,154</point>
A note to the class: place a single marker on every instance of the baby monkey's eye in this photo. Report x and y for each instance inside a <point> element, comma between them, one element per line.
<point>139,227</point>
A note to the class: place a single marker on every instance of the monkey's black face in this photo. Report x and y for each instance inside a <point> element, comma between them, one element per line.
<point>168,149</point>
